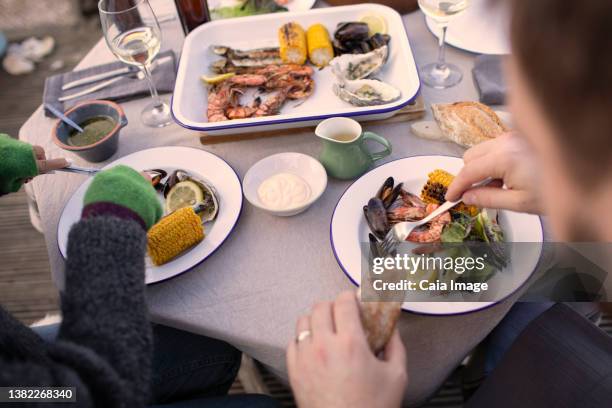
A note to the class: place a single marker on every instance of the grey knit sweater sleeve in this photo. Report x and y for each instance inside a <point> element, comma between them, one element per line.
<point>104,345</point>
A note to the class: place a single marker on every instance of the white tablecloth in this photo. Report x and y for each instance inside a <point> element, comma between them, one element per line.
<point>271,270</point>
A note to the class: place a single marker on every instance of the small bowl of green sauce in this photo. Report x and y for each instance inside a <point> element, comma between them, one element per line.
<point>101,122</point>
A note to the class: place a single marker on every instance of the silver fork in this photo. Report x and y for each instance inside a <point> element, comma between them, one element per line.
<point>400,231</point>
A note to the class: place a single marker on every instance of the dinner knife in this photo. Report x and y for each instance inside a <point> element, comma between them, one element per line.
<point>90,89</point>
<point>98,77</point>
<point>110,74</point>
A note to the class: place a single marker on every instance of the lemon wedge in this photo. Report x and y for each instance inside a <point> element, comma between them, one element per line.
<point>183,194</point>
<point>376,23</point>
<point>217,78</point>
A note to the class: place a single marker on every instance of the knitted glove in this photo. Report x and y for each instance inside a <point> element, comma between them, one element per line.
<point>17,163</point>
<point>125,193</point>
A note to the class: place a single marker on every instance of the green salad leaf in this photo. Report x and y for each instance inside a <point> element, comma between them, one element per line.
<point>247,8</point>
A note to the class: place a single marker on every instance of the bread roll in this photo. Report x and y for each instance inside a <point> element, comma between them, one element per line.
<point>378,320</point>
<point>467,123</point>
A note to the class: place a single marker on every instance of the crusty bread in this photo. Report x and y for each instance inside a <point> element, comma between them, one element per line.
<point>379,319</point>
<point>467,123</point>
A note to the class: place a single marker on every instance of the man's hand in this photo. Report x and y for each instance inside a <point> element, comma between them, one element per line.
<point>508,160</point>
<point>44,165</point>
<point>334,367</point>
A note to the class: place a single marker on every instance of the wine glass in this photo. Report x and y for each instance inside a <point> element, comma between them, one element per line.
<point>440,74</point>
<point>132,33</point>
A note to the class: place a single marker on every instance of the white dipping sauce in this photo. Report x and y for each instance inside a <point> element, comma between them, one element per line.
<point>283,191</point>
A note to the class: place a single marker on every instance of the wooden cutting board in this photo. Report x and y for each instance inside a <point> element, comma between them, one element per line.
<point>413,111</point>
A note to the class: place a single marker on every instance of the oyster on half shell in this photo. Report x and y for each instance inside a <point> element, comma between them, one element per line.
<point>366,92</point>
<point>359,66</point>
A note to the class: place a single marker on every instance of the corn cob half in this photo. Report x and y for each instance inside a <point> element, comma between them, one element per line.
<point>435,189</point>
<point>174,234</point>
<point>292,41</point>
<point>320,50</point>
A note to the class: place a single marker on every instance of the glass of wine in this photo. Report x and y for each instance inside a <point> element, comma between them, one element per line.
<point>440,74</point>
<point>132,33</point>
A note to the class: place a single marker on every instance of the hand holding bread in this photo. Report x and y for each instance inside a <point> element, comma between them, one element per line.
<point>331,363</point>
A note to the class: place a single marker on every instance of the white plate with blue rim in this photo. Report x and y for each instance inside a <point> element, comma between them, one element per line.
<point>201,164</point>
<point>483,28</point>
<point>349,230</point>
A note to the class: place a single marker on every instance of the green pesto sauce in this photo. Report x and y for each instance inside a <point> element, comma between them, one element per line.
<point>94,129</point>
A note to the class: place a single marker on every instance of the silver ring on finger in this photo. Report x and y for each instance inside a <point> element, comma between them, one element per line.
<point>303,335</point>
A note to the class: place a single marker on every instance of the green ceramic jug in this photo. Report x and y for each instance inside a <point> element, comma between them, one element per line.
<point>344,154</point>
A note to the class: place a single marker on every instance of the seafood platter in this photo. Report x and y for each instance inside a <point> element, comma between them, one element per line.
<point>294,69</point>
<point>201,196</point>
<point>409,189</point>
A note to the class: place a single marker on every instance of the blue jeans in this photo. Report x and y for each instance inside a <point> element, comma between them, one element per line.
<point>190,371</point>
<point>518,318</point>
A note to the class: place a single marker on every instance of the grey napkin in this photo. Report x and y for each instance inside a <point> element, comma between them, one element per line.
<point>129,87</point>
<point>489,79</point>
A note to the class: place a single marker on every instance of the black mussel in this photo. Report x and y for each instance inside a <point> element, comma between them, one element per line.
<point>352,31</point>
<point>376,217</point>
<point>391,197</point>
<point>156,175</point>
<point>375,249</point>
<point>386,188</point>
<point>378,40</point>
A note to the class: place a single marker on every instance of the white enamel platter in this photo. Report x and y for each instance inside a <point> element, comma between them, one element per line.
<point>199,163</point>
<point>349,229</point>
<point>482,29</point>
<point>189,101</point>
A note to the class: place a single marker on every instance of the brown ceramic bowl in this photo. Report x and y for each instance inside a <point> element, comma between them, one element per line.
<point>103,148</point>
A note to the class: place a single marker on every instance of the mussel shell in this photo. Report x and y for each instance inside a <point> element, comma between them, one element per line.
<point>376,217</point>
<point>352,31</point>
<point>375,249</point>
<point>157,176</point>
<point>386,188</point>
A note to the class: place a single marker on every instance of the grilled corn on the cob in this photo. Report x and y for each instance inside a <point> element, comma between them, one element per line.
<point>320,50</point>
<point>292,41</point>
<point>174,234</point>
<point>435,189</point>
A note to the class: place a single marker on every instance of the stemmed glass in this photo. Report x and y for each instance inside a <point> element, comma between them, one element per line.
<point>441,74</point>
<point>132,33</point>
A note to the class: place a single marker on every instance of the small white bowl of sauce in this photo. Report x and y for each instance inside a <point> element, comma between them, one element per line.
<point>285,184</point>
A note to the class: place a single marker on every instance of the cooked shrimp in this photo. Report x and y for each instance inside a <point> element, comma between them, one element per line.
<point>248,80</point>
<point>405,213</point>
<point>272,104</point>
<point>218,99</point>
<point>433,232</point>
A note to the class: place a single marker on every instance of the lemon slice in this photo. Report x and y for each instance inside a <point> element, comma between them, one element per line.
<point>217,78</point>
<point>183,194</point>
<point>376,23</point>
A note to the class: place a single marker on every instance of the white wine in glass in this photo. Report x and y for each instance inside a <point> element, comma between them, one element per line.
<point>441,74</point>
<point>137,47</point>
<point>132,33</point>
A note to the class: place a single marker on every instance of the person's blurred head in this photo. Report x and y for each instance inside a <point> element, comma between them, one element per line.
<point>560,91</point>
